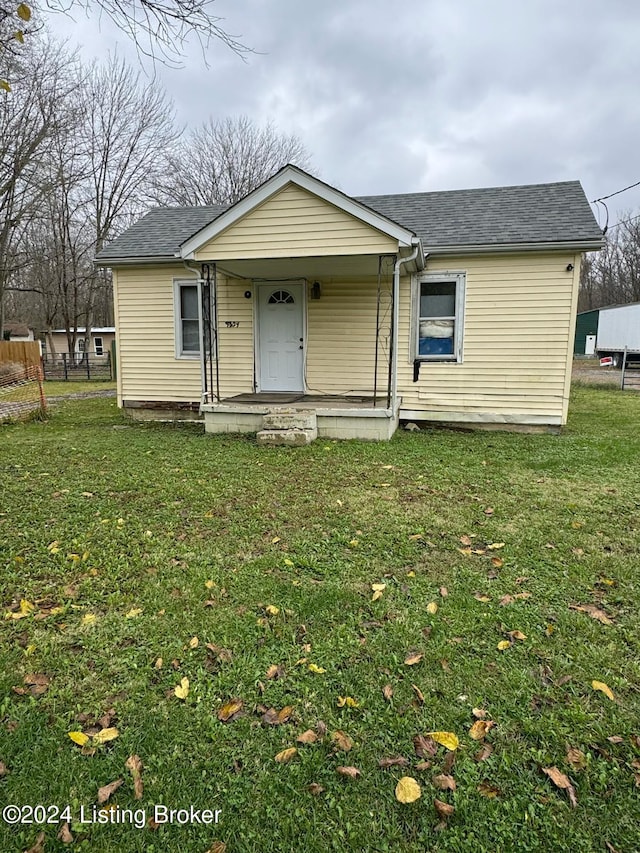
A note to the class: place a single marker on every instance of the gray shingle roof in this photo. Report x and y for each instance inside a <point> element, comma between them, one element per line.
<point>160,232</point>
<point>530,214</point>
<point>535,213</point>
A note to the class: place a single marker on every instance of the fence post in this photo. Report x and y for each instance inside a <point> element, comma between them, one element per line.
<point>88,367</point>
<point>113,362</point>
<point>64,365</point>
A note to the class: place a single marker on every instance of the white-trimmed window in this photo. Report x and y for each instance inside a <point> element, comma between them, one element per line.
<point>187,322</point>
<point>98,346</point>
<point>438,311</point>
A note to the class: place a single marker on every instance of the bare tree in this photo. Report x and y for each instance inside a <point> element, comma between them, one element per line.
<point>30,119</point>
<point>222,161</point>
<point>612,275</point>
<point>160,29</point>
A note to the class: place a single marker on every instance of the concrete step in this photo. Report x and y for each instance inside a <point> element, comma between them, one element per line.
<point>286,437</point>
<point>286,419</point>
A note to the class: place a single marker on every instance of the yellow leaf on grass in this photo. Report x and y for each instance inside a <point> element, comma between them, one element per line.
<point>182,690</point>
<point>52,547</point>
<point>275,540</point>
<point>193,643</point>
<point>376,595</point>
<point>79,737</point>
<point>313,667</point>
<point>495,546</point>
<point>271,610</point>
<point>89,618</point>
<point>480,728</point>
<point>347,702</point>
<point>25,609</point>
<point>448,739</point>
<point>503,644</point>
<point>135,611</point>
<point>378,587</point>
<point>106,735</point>
<point>432,608</point>
<point>288,562</point>
<point>209,584</point>
<point>408,790</point>
<point>603,688</point>
<point>286,755</point>
<point>413,658</point>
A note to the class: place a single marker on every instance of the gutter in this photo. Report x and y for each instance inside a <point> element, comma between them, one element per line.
<point>502,248</point>
<point>396,312</point>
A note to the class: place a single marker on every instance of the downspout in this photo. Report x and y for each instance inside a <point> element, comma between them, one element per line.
<point>395,321</point>
<point>203,355</point>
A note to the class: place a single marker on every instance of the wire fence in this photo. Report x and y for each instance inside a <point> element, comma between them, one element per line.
<point>21,392</point>
<point>70,367</point>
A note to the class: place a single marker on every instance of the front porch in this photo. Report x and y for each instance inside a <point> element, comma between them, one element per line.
<point>333,415</point>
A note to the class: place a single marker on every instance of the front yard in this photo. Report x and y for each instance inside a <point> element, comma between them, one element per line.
<point>363,594</point>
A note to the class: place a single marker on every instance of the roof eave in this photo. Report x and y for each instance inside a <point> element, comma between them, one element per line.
<point>141,259</point>
<point>591,245</point>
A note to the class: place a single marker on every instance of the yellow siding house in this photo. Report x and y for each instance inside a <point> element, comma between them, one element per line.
<point>355,313</point>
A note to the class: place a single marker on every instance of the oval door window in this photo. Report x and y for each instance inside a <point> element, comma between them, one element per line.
<point>281,297</point>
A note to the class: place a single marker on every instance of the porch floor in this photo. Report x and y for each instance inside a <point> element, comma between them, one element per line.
<point>304,401</point>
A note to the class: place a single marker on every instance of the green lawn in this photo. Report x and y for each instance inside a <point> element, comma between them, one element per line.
<point>169,540</point>
<point>53,388</point>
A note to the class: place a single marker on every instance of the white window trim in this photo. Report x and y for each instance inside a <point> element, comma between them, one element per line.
<point>459,278</point>
<point>178,283</point>
<point>95,345</point>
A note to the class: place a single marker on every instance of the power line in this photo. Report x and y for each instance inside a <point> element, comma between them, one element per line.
<point>625,221</point>
<point>617,192</point>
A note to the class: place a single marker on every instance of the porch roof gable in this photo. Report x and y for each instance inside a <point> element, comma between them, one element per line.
<point>293,175</point>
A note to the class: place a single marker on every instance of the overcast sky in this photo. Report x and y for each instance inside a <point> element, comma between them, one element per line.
<point>425,94</point>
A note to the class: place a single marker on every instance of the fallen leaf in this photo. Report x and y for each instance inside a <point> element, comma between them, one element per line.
<point>486,789</point>
<point>275,540</point>
<point>561,781</point>
<point>3,769</point>
<point>489,510</point>
<point>479,713</point>
<point>38,847</point>
<point>347,702</point>
<point>480,728</point>
<point>480,596</point>
<point>182,690</point>
<point>275,671</point>
<point>465,540</point>
<point>307,737</point>
<point>424,746</point>
<point>422,766</point>
<point>443,809</point>
<point>432,608</point>
<point>65,834</point>
<point>134,766</point>
<point>602,687</point>
<point>37,683</point>
<point>230,711</point>
<point>615,739</point>
<point>158,663</point>
<point>444,782</point>
<point>506,599</point>
<point>315,789</point>
<point>105,792</point>
<point>419,693</point>
<point>135,611</point>
<point>351,772</point>
<point>446,739</point>
<point>398,761</point>
<point>342,740</point>
<point>498,562</point>
<point>106,735</point>
<point>88,619</point>
<point>286,755</point>
<point>194,642</point>
<point>377,595</point>
<point>313,667</point>
<point>378,587</point>
<point>444,592</point>
<point>503,644</point>
<point>593,611</point>
<point>271,609</point>
<point>408,790</point>
<point>387,692</point>
<point>484,753</point>
<point>277,718</point>
<point>217,847</point>
<point>79,737</point>
<point>576,758</point>
<point>413,658</point>
<point>517,635</point>
<point>495,546</point>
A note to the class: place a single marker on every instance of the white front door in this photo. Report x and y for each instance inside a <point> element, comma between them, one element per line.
<point>280,336</point>
<point>590,345</point>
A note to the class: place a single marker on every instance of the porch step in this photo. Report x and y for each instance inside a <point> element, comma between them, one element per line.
<point>285,419</point>
<point>286,437</point>
<point>288,427</point>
